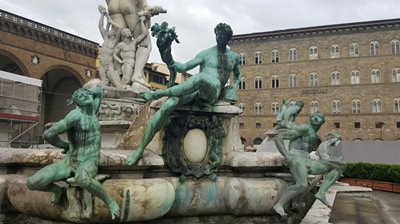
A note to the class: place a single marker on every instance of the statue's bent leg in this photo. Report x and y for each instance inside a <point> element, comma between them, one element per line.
<point>299,172</point>
<point>44,179</point>
<point>103,74</point>
<point>115,79</point>
<point>329,180</point>
<point>142,55</point>
<point>127,72</point>
<point>156,123</point>
<point>85,178</point>
<point>190,86</point>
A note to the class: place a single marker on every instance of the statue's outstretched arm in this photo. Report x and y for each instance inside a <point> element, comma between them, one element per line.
<point>101,24</point>
<point>117,50</point>
<point>97,96</point>
<point>290,135</point>
<point>51,135</point>
<point>236,73</point>
<point>198,60</point>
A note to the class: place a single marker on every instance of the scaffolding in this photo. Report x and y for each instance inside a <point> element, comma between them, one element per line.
<point>20,109</point>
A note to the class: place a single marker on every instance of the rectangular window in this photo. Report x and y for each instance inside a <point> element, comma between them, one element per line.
<point>337,124</point>
<point>258,125</point>
<point>398,124</point>
<point>357,125</point>
<point>379,124</point>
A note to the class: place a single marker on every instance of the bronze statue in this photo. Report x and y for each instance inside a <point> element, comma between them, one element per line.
<point>302,140</point>
<point>216,65</point>
<point>82,151</point>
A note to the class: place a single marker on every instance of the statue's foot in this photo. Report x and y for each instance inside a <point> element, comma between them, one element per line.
<point>114,209</point>
<point>279,209</point>
<point>323,199</point>
<point>59,196</point>
<point>141,82</point>
<point>132,159</point>
<point>148,96</point>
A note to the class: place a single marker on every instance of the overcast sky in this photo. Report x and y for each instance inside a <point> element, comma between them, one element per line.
<point>195,19</point>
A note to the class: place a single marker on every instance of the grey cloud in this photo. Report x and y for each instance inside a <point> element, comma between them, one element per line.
<point>195,19</point>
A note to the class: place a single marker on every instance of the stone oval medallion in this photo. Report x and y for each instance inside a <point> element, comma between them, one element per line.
<point>195,145</point>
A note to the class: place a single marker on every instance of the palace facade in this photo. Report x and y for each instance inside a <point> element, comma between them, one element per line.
<point>350,72</point>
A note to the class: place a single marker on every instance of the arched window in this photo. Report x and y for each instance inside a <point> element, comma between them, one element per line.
<point>275,81</point>
<point>257,141</point>
<point>313,53</point>
<point>354,50</point>
<point>258,82</point>
<point>292,54</point>
<point>242,107</point>
<point>258,57</point>
<point>375,76</point>
<point>242,83</point>
<point>314,79</point>
<point>275,108</point>
<point>355,77</point>
<point>335,78</point>
<point>336,107</point>
<point>314,106</point>
<point>275,56</point>
<point>376,106</point>
<point>395,47</point>
<point>242,58</point>
<point>356,106</point>
<point>396,105</point>
<point>293,80</point>
<point>335,51</point>
<point>374,48</point>
<point>257,109</point>
<point>396,74</point>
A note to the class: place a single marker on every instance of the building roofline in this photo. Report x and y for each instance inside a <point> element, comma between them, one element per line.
<point>44,25</point>
<point>28,24</point>
<point>324,29</point>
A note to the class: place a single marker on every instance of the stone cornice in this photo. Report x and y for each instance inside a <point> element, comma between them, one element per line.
<point>319,30</point>
<point>39,32</point>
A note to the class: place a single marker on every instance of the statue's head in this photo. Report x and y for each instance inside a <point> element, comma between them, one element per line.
<point>112,32</point>
<point>125,32</point>
<point>317,119</point>
<point>223,33</point>
<point>299,104</point>
<point>334,138</point>
<point>81,97</point>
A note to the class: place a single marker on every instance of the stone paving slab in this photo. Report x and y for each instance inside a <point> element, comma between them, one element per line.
<point>319,213</point>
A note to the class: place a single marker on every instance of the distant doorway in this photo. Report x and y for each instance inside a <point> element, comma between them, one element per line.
<point>58,86</point>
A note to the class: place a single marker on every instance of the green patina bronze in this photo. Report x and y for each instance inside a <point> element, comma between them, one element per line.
<point>82,151</point>
<point>173,150</point>
<point>216,65</point>
<point>165,37</point>
<point>302,140</point>
<point>288,113</point>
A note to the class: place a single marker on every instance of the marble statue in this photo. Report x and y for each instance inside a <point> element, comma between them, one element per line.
<point>288,113</point>
<point>82,151</point>
<point>127,14</point>
<point>302,140</point>
<point>216,65</point>
<point>109,71</point>
<point>165,37</point>
<point>125,54</point>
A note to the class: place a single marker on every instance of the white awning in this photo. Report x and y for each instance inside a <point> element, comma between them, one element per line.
<point>20,78</point>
